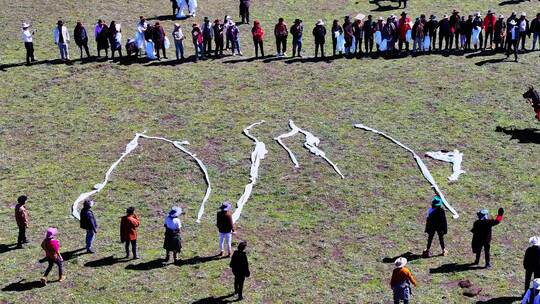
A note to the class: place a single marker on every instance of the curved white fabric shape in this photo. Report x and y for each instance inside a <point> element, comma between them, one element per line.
<point>311,143</point>
<point>257,155</point>
<point>421,165</point>
<point>129,148</point>
<point>454,157</point>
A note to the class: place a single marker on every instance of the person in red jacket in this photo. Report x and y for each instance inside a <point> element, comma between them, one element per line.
<point>489,29</point>
<point>21,217</point>
<point>404,26</point>
<point>128,231</point>
<point>51,246</point>
<point>401,281</point>
<point>258,35</point>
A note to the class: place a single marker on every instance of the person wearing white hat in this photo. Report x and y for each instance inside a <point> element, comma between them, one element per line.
<point>532,295</point>
<point>225,225</point>
<point>512,39</point>
<point>28,39</point>
<point>499,34</point>
<point>531,261</point>
<point>524,30</point>
<point>477,25</point>
<point>401,281</point>
<point>319,34</point>
<point>173,237</point>
<point>61,39</point>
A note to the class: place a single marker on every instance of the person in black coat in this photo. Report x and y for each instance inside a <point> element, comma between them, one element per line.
<point>244,11</point>
<point>319,33</point>
<point>240,268</point>
<point>444,33</point>
<point>436,223</point>
<point>81,38</point>
<point>88,223</point>
<point>368,29</point>
<point>482,234</point>
<point>431,30</point>
<point>531,261</point>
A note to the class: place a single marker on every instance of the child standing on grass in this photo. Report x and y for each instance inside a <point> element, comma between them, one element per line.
<point>51,246</point>
<point>482,234</point>
<point>21,217</point>
<point>240,268</point>
<point>128,231</point>
<point>436,223</point>
<point>401,281</point>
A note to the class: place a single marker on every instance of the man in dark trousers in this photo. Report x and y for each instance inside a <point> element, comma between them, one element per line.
<point>436,223</point>
<point>367,28</point>
<point>21,217</point>
<point>454,28</point>
<point>208,37</point>
<point>431,28</point>
<point>512,40</point>
<point>88,223</point>
<point>244,11</point>
<point>240,268</point>
<point>319,33</point>
<point>482,234</point>
<point>404,3</point>
<point>444,33</point>
<point>531,261</point>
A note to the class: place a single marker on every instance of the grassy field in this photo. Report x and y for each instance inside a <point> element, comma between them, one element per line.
<point>313,237</point>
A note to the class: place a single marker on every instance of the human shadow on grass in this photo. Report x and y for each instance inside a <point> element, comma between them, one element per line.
<point>7,248</point>
<point>382,8</point>
<point>409,256</point>
<point>490,61</point>
<point>198,260</point>
<point>70,255</point>
<point>167,17</point>
<point>524,136</point>
<point>248,59</point>
<point>172,62</point>
<point>511,2</point>
<point>500,300</point>
<point>308,59</point>
<point>160,263</point>
<point>23,286</point>
<point>218,300</point>
<point>106,261</point>
<point>454,267</point>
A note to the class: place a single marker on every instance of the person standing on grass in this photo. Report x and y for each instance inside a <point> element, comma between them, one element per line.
<point>404,3</point>
<point>115,38</point>
<point>535,31</point>
<point>218,37</point>
<point>281,33</point>
<point>197,38</point>
<point>175,8</point>
<point>499,34</point>
<point>208,37</point>
<point>404,26</point>
<point>233,32</point>
<point>225,225</point>
<point>28,39</point>
<point>532,294</point>
<point>524,30</point>
<point>432,26</point>
<point>51,246</point>
<point>61,39</point>
<point>454,29</point>
<point>482,234</point>
<point>240,269</point>
<point>368,28</point>
<point>478,25</point>
<point>159,40</point>
<point>348,34</point>
<point>227,22</point>
<point>444,33</point>
<point>297,29</point>
<point>101,33</point>
<point>358,31</point>
<point>21,218</point>
<point>88,223</point>
<point>401,281</point>
<point>81,39</point>
<point>418,35</point>
<point>173,237</point>
<point>258,36</point>
<point>489,29</point>
<point>436,223</point>
<point>244,11</point>
<point>319,33</point>
<point>140,34</point>
<point>336,31</point>
<point>128,231</point>
<point>512,40</point>
<point>531,261</point>
<point>178,38</point>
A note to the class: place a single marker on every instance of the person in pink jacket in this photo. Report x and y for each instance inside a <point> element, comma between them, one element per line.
<point>51,246</point>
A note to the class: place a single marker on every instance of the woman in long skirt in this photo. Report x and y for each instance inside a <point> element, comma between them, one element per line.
<point>173,238</point>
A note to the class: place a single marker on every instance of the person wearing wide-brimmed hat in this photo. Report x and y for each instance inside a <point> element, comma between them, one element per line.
<point>524,30</point>
<point>431,29</point>
<point>444,33</point>
<point>88,223</point>
<point>61,39</point>
<point>482,234</point>
<point>401,281</point>
<point>28,39</point>
<point>225,225</point>
<point>532,294</point>
<point>128,231</point>
<point>296,30</point>
<point>51,246</point>
<point>436,223</point>
<point>454,28</point>
<point>173,237</point>
<point>158,38</point>
<point>489,29</point>
<point>208,37</point>
<point>319,34</point>
<point>499,34</point>
<point>218,29</point>
<point>531,261</point>
<point>512,39</point>
<point>368,27</point>
<point>178,38</point>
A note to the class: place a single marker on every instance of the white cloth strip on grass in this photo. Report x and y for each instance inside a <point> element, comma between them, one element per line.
<point>423,168</point>
<point>129,148</point>
<point>311,143</point>
<point>257,155</point>
<point>454,157</point>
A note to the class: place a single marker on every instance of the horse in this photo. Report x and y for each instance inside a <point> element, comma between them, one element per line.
<point>533,98</point>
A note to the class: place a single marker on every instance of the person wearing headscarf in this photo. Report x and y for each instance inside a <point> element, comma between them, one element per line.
<point>524,30</point>
<point>401,281</point>
<point>531,261</point>
<point>21,218</point>
<point>244,10</point>
<point>499,34</point>
<point>159,40</point>
<point>336,31</point>
<point>319,34</point>
<point>296,30</point>
<point>432,26</point>
<point>28,39</point>
<point>436,223</point>
<point>225,225</point>
<point>61,39</point>
<point>115,38</point>
<point>218,29</point>
<point>257,33</point>
<point>101,33</point>
<point>532,294</point>
<point>482,234</point>
<point>81,39</point>
<point>88,223</point>
<point>173,237</point>
<point>51,246</point>
<point>281,33</point>
<point>208,36</point>
<point>512,39</point>
<point>128,231</point>
<point>240,268</point>
<point>178,37</point>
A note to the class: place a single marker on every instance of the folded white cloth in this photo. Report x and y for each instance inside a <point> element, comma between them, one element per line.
<point>454,157</point>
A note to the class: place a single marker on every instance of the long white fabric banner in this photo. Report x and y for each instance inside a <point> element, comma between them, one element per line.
<point>129,148</point>
<point>421,165</point>
<point>454,157</point>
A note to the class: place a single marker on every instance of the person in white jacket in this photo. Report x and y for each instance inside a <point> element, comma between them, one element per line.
<point>61,38</point>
